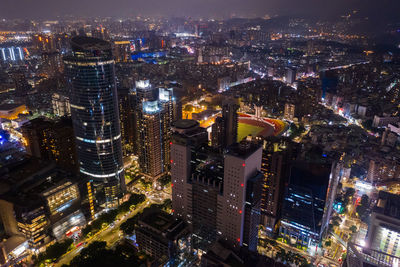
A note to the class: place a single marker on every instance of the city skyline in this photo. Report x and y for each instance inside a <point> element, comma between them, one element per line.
<point>47,9</point>
<point>213,133</point>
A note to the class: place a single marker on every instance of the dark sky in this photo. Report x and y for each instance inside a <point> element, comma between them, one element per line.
<point>195,8</point>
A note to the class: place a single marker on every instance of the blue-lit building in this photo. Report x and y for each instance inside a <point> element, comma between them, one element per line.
<point>11,53</point>
<point>94,110</point>
<point>305,203</point>
<point>155,109</point>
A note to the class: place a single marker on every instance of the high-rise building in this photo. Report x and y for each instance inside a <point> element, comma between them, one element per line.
<point>150,151</point>
<point>188,138</point>
<point>154,114</point>
<point>289,111</point>
<point>384,230</point>
<point>94,108</point>
<point>168,115</point>
<point>126,101</point>
<point>218,194</point>
<point>224,133</point>
<point>277,156</point>
<point>291,75</point>
<point>51,140</point>
<point>381,245</point>
<point>218,133</point>
<point>239,214</point>
<point>307,200</point>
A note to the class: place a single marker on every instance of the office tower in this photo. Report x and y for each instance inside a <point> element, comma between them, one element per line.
<point>218,133</point>
<point>272,168</point>
<point>306,200</point>
<point>277,156</point>
<point>51,140</point>
<point>154,115</point>
<point>188,138</point>
<point>150,150</point>
<point>224,132</point>
<point>239,217</point>
<point>144,91</point>
<point>218,194</point>
<point>94,109</point>
<point>127,119</point>
<point>168,113</point>
<point>61,105</point>
<point>289,111</point>
<point>230,116</point>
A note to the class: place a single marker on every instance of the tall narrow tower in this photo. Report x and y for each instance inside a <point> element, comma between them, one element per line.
<point>94,109</point>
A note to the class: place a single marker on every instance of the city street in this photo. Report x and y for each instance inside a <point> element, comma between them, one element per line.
<point>111,234</point>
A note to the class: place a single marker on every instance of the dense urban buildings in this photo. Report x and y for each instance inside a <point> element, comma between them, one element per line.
<point>233,134</point>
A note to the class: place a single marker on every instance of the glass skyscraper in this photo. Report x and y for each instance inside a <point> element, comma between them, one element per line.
<point>94,110</point>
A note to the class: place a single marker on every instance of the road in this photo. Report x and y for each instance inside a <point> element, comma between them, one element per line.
<point>111,233</point>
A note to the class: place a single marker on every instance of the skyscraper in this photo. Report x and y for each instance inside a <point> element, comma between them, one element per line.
<point>224,130</point>
<point>94,108</point>
<point>218,194</point>
<point>307,202</point>
<point>154,113</point>
<point>150,150</point>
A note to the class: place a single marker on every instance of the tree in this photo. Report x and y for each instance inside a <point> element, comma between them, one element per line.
<point>128,227</point>
<point>53,252</point>
<point>97,254</point>
<point>353,229</point>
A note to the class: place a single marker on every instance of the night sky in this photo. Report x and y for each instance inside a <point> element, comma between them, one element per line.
<point>206,8</point>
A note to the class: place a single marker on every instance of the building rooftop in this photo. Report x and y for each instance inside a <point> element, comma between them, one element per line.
<point>388,204</point>
<point>89,43</point>
<point>185,124</point>
<point>244,149</point>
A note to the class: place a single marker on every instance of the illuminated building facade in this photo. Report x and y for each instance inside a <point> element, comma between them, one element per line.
<point>45,201</point>
<point>11,54</point>
<point>272,168</point>
<point>155,111</point>
<point>305,204</point>
<point>384,230</point>
<point>61,105</point>
<point>218,194</point>
<point>158,234</point>
<point>94,108</point>
<point>32,224</point>
<point>150,151</point>
<point>168,115</point>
